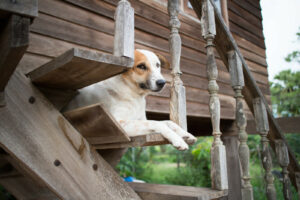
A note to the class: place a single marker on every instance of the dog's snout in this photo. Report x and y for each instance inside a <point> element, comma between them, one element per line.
<point>160,83</point>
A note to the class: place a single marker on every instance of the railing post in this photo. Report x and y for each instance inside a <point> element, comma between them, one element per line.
<point>237,83</point>
<point>124,30</point>
<point>297,176</point>
<point>283,160</point>
<point>218,153</point>
<point>178,100</point>
<point>262,126</point>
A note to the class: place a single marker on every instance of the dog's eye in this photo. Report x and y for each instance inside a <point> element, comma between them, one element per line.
<point>142,66</point>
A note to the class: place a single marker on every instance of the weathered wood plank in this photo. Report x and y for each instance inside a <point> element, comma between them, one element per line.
<point>27,8</point>
<point>124,30</point>
<point>39,137</point>
<point>78,68</point>
<point>137,141</point>
<point>287,125</point>
<point>13,44</point>
<point>167,192</point>
<point>96,125</point>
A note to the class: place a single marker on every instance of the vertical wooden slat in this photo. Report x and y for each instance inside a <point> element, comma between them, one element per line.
<point>218,153</point>
<point>124,30</point>
<point>282,155</point>
<point>237,83</point>
<point>262,127</point>
<point>14,40</point>
<point>178,99</point>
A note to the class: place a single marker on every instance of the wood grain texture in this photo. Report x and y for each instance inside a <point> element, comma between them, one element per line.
<point>218,153</point>
<point>96,125</point>
<point>78,68</point>
<point>174,192</point>
<point>124,30</point>
<point>37,135</point>
<point>224,43</point>
<point>177,97</point>
<point>262,127</point>
<point>283,160</point>
<point>13,43</point>
<point>28,8</point>
<point>137,141</point>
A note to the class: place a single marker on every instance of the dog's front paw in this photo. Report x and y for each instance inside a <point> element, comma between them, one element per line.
<point>179,144</point>
<point>189,138</point>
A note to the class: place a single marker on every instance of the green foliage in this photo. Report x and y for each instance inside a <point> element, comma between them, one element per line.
<point>295,55</point>
<point>286,93</point>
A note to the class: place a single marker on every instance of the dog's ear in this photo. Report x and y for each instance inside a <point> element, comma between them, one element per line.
<point>163,61</point>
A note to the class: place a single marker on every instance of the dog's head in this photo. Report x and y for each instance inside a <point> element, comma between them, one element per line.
<point>146,71</point>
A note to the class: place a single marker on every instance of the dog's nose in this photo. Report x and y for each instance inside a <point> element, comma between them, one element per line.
<point>160,83</point>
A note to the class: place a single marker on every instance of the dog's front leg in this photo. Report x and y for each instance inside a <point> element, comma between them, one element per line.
<point>189,138</point>
<point>144,127</point>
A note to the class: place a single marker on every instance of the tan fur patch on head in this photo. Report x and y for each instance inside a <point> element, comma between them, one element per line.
<point>139,58</point>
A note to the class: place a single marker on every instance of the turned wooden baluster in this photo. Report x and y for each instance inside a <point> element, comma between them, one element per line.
<point>124,30</point>
<point>262,126</point>
<point>218,153</point>
<point>237,83</point>
<point>283,160</point>
<point>178,100</point>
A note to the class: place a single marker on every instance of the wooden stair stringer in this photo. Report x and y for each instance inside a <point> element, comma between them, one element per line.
<point>46,145</point>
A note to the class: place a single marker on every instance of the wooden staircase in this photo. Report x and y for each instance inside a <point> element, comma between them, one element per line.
<point>54,154</point>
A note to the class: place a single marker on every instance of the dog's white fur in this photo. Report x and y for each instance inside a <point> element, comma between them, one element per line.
<point>123,97</point>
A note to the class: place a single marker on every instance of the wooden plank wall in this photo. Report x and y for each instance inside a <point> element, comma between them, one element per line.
<point>89,24</point>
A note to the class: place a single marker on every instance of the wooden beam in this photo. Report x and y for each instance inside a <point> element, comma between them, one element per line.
<point>28,8</point>
<point>45,144</point>
<point>225,42</point>
<point>137,141</point>
<point>167,192</point>
<point>14,39</point>
<point>78,68</point>
<point>287,125</point>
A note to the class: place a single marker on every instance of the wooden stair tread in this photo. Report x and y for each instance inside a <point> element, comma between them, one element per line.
<point>103,132</point>
<point>165,192</point>
<point>77,68</point>
<point>96,125</point>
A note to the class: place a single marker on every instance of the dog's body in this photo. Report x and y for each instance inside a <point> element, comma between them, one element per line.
<point>124,97</point>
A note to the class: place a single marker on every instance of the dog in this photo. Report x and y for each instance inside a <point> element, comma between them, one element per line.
<point>123,96</point>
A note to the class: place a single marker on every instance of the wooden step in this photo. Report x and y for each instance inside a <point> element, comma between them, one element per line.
<point>77,68</point>
<point>166,192</point>
<point>96,125</point>
<point>103,132</point>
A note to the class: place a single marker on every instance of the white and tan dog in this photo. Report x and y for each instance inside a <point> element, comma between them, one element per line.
<point>124,97</point>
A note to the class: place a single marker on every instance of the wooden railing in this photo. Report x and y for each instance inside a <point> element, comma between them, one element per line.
<point>266,125</point>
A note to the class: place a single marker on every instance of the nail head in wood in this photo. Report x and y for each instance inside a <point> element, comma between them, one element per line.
<point>95,167</point>
<point>31,100</point>
<point>57,163</point>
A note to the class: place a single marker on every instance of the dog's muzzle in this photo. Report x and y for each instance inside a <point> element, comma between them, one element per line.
<point>160,83</point>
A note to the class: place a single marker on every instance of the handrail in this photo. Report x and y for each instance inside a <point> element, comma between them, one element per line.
<point>225,42</point>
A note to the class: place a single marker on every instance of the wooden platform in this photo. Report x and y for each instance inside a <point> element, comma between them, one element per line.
<point>167,192</point>
<point>103,132</point>
<point>77,68</point>
<point>96,125</point>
